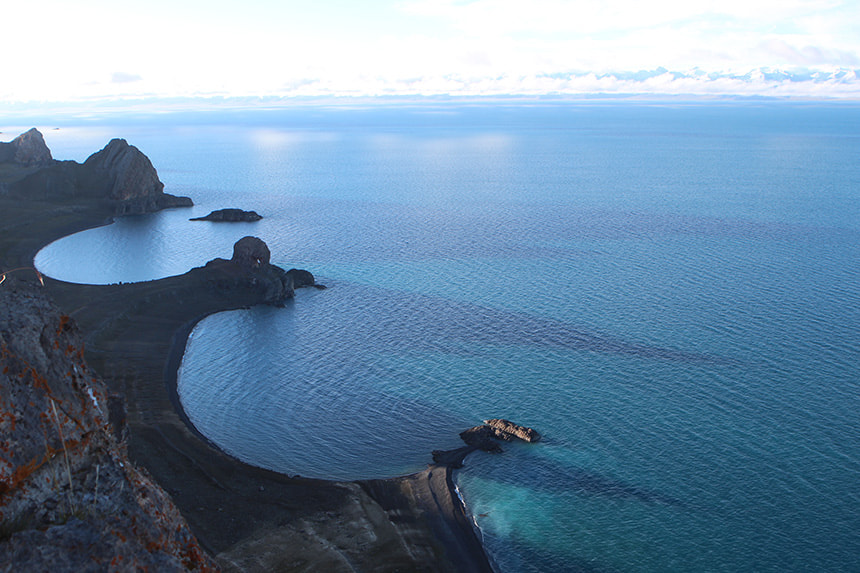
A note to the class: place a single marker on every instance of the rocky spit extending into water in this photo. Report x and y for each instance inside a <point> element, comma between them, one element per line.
<point>100,469</point>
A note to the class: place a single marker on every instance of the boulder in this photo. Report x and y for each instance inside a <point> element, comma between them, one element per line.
<point>302,278</point>
<point>251,253</point>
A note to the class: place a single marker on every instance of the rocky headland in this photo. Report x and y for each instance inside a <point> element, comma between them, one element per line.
<point>230,216</point>
<point>120,178</point>
<point>96,454</point>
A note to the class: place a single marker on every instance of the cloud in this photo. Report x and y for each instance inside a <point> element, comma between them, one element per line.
<point>781,50</point>
<point>428,46</point>
<point>124,78</point>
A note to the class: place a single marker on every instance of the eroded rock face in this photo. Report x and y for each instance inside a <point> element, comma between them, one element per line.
<point>70,498</point>
<point>130,173</point>
<point>30,150</point>
<point>251,252</point>
<point>126,176</point>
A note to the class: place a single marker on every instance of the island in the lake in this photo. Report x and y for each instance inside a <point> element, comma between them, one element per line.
<point>230,216</point>
<point>98,462</point>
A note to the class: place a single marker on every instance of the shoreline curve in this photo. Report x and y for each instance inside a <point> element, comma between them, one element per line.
<point>136,336</point>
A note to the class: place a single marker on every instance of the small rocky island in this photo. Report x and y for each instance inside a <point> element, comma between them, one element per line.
<point>230,216</point>
<point>485,438</point>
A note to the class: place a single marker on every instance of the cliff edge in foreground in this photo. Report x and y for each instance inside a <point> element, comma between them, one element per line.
<point>70,498</point>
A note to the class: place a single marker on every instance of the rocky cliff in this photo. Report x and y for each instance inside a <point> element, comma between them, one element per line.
<point>27,150</point>
<point>70,499</point>
<point>126,177</point>
<point>120,176</point>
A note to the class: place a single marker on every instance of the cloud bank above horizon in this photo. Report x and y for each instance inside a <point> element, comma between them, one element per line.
<point>98,49</point>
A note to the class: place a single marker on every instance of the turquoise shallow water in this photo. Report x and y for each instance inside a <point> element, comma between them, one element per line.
<point>669,293</point>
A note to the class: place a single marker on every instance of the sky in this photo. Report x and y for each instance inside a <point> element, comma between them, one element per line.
<point>57,50</point>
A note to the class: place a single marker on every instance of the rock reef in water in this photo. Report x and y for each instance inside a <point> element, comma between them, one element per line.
<point>120,176</point>
<point>70,498</point>
<point>230,216</point>
<point>507,431</point>
<point>486,437</point>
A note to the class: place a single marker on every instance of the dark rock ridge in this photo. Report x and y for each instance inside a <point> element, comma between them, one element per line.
<point>27,150</point>
<point>230,216</point>
<point>70,498</point>
<point>120,176</point>
<point>250,268</point>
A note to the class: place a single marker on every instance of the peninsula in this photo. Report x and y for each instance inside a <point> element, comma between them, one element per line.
<point>102,361</point>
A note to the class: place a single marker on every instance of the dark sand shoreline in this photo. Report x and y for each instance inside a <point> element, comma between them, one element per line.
<point>249,518</point>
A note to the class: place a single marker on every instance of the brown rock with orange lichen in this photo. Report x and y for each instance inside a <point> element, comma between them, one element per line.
<point>70,499</point>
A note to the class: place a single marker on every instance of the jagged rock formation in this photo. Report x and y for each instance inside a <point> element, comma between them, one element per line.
<point>230,216</point>
<point>507,431</point>
<point>70,498</point>
<point>119,176</point>
<point>27,150</point>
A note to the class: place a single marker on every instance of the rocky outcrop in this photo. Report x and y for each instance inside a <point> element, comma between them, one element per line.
<point>486,437</point>
<point>230,216</point>
<point>250,268</point>
<point>70,498</point>
<point>482,438</point>
<point>508,431</point>
<point>27,150</point>
<point>302,278</point>
<point>119,177</point>
<point>127,178</point>
<point>251,253</point>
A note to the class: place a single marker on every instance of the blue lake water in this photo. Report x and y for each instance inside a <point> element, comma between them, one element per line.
<point>668,292</point>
